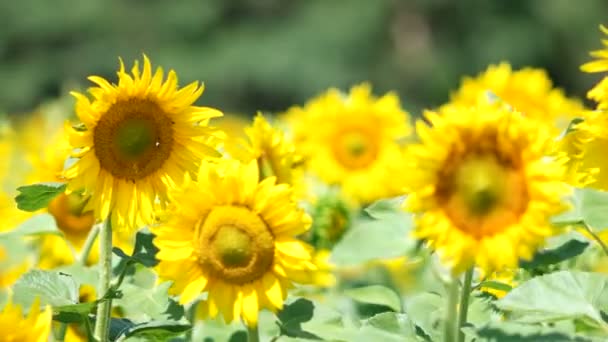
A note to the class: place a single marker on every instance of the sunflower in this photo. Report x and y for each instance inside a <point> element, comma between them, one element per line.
<point>599,93</point>
<point>482,187</point>
<point>233,237</point>
<point>35,327</point>
<point>353,140</point>
<point>528,90</point>
<point>42,140</point>
<point>138,139</point>
<point>275,154</point>
<point>586,146</point>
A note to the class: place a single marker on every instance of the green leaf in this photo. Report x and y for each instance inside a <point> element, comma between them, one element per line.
<point>158,329</point>
<point>371,239</point>
<point>144,251</point>
<point>397,324</point>
<point>496,285</point>
<point>118,327</point>
<point>593,208</point>
<point>564,252</point>
<point>38,196</point>
<point>37,225</point>
<point>376,294</point>
<point>558,296</point>
<point>507,331</point>
<point>143,304</point>
<point>426,310</point>
<point>293,315</point>
<point>54,288</point>
<point>384,208</point>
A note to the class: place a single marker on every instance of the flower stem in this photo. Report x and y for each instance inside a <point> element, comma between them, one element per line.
<point>88,244</point>
<point>464,303</point>
<point>450,320</point>
<point>596,238</point>
<point>102,322</point>
<point>253,334</point>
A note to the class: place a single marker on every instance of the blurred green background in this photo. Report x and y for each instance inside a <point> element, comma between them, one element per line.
<point>270,54</point>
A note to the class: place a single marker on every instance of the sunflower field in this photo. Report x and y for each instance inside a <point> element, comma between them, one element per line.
<point>348,171</point>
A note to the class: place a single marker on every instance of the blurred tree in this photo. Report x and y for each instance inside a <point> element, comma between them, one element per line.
<point>269,54</point>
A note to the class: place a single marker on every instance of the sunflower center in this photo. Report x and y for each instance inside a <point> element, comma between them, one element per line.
<point>133,138</point>
<point>234,244</point>
<point>483,195</point>
<point>355,149</point>
<point>67,211</point>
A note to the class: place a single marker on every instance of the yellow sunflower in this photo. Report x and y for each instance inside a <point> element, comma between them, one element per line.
<point>42,140</point>
<point>599,93</point>
<point>10,268</point>
<point>233,237</point>
<point>138,139</point>
<point>482,187</point>
<point>528,90</point>
<point>35,327</point>
<point>276,155</point>
<point>586,146</point>
<point>353,140</point>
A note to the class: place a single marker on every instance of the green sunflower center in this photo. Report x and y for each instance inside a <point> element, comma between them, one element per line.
<point>355,148</point>
<point>133,139</point>
<point>234,244</point>
<point>480,181</point>
<point>483,195</point>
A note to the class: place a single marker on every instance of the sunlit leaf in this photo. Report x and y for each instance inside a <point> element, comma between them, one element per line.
<point>53,288</point>
<point>376,294</point>
<point>37,225</point>
<point>558,296</point>
<point>371,239</point>
<point>508,331</point>
<point>392,323</point>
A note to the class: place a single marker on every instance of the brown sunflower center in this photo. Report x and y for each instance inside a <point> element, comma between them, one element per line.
<point>67,211</point>
<point>483,195</point>
<point>234,244</point>
<point>133,138</point>
<point>355,148</point>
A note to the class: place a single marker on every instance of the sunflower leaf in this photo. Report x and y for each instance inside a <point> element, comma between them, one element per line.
<point>553,256</point>
<point>376,294</point>
<point>37,196</point>
<point>508,331</point>
<point>53,288</point>
<point>593,208</point>
<point>36,225</point>
<point>559,296</point>
<point>158,330</point>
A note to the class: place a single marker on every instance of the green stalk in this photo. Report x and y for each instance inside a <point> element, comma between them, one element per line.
<point>464,303</point>
<point>596,238</point>
<point>253,335</point>
<point>451,312</point>
<point>88,244</point>
<point>102,322</point>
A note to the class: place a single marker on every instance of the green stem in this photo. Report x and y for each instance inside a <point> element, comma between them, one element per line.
<point>596,238</point>
<point>450,320</point>
<point>464,303</point>
<point>88,244</point>
<point>102,322</point>
<point>253,334</point>
<point>63,328</point>
<point>191,314</point>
